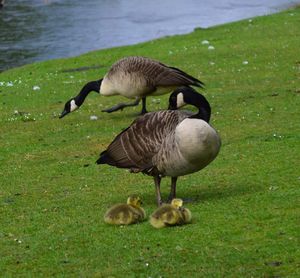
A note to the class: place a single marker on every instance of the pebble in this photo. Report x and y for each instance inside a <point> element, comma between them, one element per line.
<point>205,42</point>
<point>93,118</point>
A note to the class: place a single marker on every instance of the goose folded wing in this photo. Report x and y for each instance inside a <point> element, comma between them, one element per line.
<point>135,147</point>
<point>171,76</point>
<point>161,75</point>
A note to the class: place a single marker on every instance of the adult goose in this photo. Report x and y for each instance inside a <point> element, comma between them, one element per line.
<point>167,143</point>
<point>134,77</point>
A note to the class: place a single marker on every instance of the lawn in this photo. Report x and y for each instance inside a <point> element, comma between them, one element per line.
<point>245,205</point>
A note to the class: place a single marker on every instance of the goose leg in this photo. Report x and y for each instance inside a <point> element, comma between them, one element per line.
<point>144,110</point>
<point>173,189</point>
<point>120,106</point>
<point>157,180</point>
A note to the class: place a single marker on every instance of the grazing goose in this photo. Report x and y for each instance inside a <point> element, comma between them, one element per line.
<point>170,215</point>
<point>126,214</point>
<point>167,143</point>
<point>133,77</point>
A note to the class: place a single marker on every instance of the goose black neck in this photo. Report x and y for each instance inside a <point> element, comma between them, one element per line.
<point>203,105</point>
<point>93,86</point>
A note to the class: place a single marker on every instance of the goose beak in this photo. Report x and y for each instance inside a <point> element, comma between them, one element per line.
<point>64,113</point>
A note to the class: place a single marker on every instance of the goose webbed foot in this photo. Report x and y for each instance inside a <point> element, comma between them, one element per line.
<point>121,106</point>
<point>172,194</point>
<point>188,200</point>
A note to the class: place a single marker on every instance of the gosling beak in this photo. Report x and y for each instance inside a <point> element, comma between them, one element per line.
<point>64,113</point>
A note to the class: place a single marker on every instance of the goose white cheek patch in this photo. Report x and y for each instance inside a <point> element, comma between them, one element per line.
<point>180,101</point>
<point>73,106</point>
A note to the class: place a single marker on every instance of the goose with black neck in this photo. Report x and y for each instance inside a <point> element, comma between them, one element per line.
<point>167,143</point>
<point>136,78</point>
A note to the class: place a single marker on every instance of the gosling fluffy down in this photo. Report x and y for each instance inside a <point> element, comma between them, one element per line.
<point>170,215</point>
<point>126,214</point>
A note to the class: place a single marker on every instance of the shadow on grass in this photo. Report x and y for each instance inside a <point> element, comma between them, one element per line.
<point>198,195</point>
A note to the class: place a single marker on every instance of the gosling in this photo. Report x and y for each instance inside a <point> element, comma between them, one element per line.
<point>126,214</point>
<point>171,215</point>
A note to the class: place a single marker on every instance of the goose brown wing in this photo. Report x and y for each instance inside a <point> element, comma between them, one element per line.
<point>162,75</point>
<point>171,76</point>
<point>155,73</point>
<point>135,147</point>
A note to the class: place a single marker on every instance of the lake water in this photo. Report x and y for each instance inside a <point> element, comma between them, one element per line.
<point>36,30</point>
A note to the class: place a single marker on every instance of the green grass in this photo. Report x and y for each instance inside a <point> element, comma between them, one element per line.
<point>245,204</point>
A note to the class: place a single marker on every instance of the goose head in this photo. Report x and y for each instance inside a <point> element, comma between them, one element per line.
<point>74,103</point>
<point>134,201</point>
<point>187,95</point>
<point>70,106</point>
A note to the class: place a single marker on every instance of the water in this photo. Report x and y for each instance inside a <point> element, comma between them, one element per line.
<point>36,30</point>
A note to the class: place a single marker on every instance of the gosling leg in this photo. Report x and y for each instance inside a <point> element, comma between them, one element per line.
<point>157,180</point>
<point>172,194</point>
<point>122,105</point>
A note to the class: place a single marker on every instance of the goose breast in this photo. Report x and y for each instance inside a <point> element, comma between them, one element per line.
<point>192,146</point>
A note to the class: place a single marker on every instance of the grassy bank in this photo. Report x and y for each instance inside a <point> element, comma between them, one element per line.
<point>245,204</point>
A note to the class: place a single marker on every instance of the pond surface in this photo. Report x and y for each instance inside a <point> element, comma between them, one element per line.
<point>36,30</point>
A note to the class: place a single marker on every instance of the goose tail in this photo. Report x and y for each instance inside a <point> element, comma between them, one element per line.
<point>192,80</point>
<point>105,159</point>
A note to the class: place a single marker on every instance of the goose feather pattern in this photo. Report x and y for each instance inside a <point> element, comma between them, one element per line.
<point>134,77</point>
<point>167,142</point>
<point>138,76</point>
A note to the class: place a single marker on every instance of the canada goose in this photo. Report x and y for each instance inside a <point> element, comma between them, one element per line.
<point>125,214</point>
<point>133,77</point>
<point>170,215</point>
<point>167,143</point>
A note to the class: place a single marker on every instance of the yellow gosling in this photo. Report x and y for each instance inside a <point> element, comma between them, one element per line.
<point>126,214</point>
<point>170,215</point>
